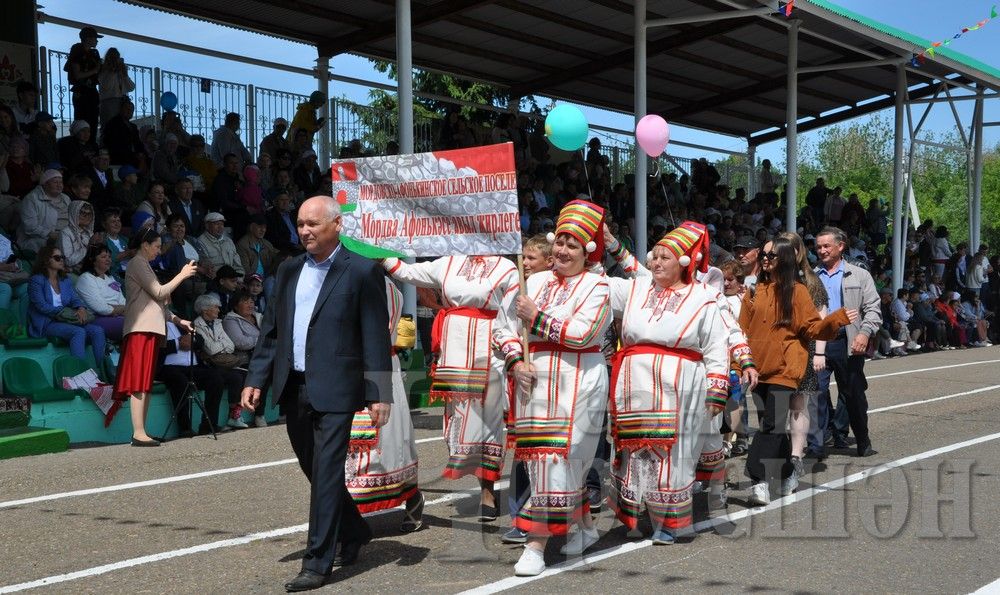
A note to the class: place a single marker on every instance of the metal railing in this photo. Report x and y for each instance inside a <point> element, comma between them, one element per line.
<point>270,104</point>
<point>374,128</point>
<point>60,99</point>
<point>203,103</point>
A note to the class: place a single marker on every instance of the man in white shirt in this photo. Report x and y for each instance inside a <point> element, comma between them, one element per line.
<point>27,104</point>
<point>178,363</point>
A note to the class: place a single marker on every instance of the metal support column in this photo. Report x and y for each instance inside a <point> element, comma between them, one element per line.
<point>157,93</point>
<point>751,171</point>
<point>898,233</point>
<point>250,124</point>
<point>641,160</point>
<point>976,223</point>
<point>791,126</point>
<point>404,68</point>
<point>323,84</point>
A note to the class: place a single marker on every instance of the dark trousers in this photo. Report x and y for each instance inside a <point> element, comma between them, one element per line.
<point>520,488</point>
<point>771,449</point>
<point>852,402</point>
<point>320,441</point>
<point>86,106</point>
<point>207,379</point>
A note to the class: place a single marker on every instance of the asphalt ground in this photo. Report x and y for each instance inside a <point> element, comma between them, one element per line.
<point>205,516</point>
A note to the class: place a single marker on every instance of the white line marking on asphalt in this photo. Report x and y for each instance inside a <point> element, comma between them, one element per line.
<point>514,581</point>
<point>163,480</point>
<point>206,547</point>
<point>876,376</point>
<point>990,589</point>
<point>944,398</point>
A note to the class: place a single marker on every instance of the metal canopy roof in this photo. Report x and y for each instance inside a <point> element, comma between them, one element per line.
<point>727,76</point>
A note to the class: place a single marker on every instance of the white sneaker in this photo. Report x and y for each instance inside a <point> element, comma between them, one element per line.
<point>760,494</point>
<point>913,346</point>
<point>531,563</point>
<point>578,541</point>
<point>259,421</point>
<point>894,344</point>
<point>877,355</point>
<point>237,423</point>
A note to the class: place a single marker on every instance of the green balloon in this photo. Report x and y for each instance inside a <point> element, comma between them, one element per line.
<point>566,127</point>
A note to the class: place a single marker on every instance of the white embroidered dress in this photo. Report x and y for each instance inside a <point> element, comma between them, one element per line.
<point>468,375</point>
<point>557,426</point>
<point>381,465</point>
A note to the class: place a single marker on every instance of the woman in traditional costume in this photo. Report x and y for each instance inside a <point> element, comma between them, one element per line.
<point>562,386</point>
<point>468,376</point>
<point>668,380</point>
<point>381,465</point>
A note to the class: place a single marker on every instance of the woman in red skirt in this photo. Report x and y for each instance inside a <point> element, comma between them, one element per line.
<point>146,314</point>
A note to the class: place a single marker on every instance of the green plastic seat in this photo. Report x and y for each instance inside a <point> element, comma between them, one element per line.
<point>23,377</point>
<point>9,318</point>
<point>68,366</point>
<point>112,372</point>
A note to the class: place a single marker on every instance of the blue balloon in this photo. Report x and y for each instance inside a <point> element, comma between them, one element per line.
<point>168,101</point>
<point>567,127</point>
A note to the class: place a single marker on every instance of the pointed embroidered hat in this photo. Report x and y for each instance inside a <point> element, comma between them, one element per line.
<point>689,242</point>
<point>582,220</point>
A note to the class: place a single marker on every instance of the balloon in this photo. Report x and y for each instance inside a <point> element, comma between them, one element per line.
<point>653,134</point>
<point>168,101</point>
<point>566,127</point>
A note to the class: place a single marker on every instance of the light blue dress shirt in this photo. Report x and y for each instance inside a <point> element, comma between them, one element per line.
<point>306,291</point>
<point>833,283</point>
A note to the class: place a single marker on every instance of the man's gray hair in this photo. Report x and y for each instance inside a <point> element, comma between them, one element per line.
<point>838,234</point>
<point>206,301</point>
<point>332,207</point>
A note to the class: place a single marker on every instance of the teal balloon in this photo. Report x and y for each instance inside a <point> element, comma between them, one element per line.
<point>168,101</point>
<point>567,127</point>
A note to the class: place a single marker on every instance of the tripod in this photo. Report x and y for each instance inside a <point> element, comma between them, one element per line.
<point>190,396</point>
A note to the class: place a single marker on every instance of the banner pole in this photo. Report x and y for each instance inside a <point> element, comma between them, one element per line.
<point>523,291</point>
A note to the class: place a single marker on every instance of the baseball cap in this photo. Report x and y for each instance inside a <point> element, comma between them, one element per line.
<point>126,170</point>
<point>213,217</point>
<point>89,32</point>
<point>746,241</point>
<point>281,121</point>
<point>226,272</point>
<point>44,117</point>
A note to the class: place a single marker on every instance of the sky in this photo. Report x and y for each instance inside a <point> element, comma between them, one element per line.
<point>931,19</point>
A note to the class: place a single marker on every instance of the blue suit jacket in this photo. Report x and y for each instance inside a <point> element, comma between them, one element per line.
<point>348,348</point>
<point>41,311</point>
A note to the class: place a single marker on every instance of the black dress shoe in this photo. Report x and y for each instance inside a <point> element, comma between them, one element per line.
<point>866,451</point>
<point>348,553</point>
<point>307,580</point>
<point>137,442</point>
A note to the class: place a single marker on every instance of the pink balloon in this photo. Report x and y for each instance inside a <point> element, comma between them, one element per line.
<point>653,134</point>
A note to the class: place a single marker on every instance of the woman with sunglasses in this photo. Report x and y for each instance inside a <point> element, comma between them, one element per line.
<point>146,314</point>
<point>780,319</point>
<point>52,300</point>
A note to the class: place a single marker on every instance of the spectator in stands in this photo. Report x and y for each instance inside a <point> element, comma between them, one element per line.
<point>219,249</point>
<point>275,141</point>
<point>226,284</point>
<point>199,161</point>
<point>10,205</point>
<point>26,108</point>
<point>957,267</point>
<point>77,149</point>
<point>257,254</point>
<point>941,251</point>
<point>116,242</point>
<point>114,84</point>
<point>283,185</point>
<point>935,329</point>
<point>13,279</point>
<point>305,116</point>
<point>126,193</point>
<point>178,250</point>
<point>189,207</point>
<point>102,186</point>
<point>44,212</point>
<point>150,144</point>
<point>224,193</point>
<point>22,175</point>
<point>83,67</point>
<point>282,230</point>
<point>78,236</point>
<point>166,162</point>
<point>746,249</point>
<point>171,123</point>
<point>9,130</point>
<point>250,195</point>
<point>102,293</point>
<point>301,142</point>
<point>265,168</point>
<point>154,206</point>
<point>221,354</point>
<point>904,329</point>
<point>242,325</point>
<point>255,287</point>
<point>307,176</point>
<point>978,317</point>
<point>78,187</point>
<point>816,199</point>
<point>42,147</point>
<point>177,356</point>
<point>55,310</point>
<point>121,138</point>
<point>226,141</point>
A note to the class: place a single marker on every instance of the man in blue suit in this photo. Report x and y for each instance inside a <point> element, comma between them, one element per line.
<point>324,347</point>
